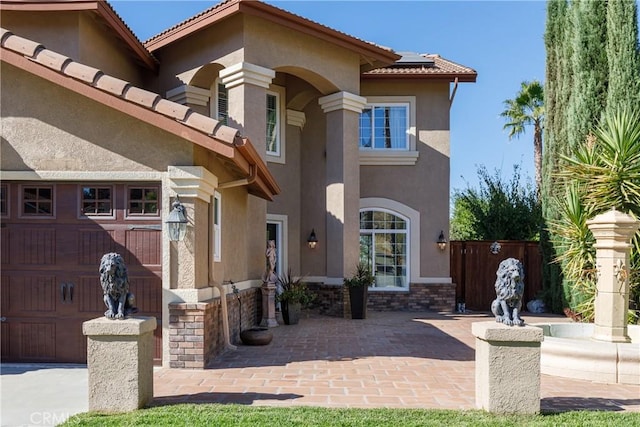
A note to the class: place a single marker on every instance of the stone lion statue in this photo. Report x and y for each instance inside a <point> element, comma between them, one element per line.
<point>115,287</point>
<point>509,291</point>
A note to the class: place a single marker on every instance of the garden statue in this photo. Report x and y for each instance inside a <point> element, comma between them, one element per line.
<point>509,291</point>
<point>270,275</point>
<point>115,287</point>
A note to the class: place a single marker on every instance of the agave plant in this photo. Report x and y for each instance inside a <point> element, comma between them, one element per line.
<point>603,173</point>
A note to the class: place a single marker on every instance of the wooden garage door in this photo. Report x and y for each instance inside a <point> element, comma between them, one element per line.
<point>53,237</point>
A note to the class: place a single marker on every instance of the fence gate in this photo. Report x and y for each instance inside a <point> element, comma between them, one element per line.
<point>474,266</point>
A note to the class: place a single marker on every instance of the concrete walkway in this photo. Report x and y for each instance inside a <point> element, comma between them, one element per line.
<point>395,360</point>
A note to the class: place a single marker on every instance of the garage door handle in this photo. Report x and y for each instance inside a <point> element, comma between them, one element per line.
<point>63,292</point>
<point>70,292</point>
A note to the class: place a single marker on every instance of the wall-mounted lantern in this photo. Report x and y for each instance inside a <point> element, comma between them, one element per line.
<point>442,242</point>
<point>177,222</point>
<point>312,241</point>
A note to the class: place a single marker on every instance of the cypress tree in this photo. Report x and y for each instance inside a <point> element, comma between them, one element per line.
<point>622,53</point>
<point>557,90</point>
<point>589,69</point>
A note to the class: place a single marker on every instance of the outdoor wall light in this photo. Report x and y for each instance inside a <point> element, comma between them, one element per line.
<point>442,242</point>
<point>312,241</point>
<point>177,222</point>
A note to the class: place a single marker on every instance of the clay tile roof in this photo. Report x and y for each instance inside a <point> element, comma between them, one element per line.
<point>433,67</point>
<point>125,91</point>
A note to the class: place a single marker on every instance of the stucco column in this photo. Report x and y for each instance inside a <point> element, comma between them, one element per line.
<point>247,86</point>
<point>194,185</point>
<point>613,231</point>
<point>342,111</point>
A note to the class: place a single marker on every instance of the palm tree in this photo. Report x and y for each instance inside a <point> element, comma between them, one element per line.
<point>526,109</point>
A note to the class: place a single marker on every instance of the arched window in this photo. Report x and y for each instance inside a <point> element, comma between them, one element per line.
<point>384,247</point>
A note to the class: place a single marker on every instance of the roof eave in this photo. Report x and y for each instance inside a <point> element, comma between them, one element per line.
<point>102,8</point>
<point>451,77</point>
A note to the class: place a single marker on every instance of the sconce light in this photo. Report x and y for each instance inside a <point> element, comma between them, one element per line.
<point>442,242</point>
<point>177,222</point>
<point>312,241</point>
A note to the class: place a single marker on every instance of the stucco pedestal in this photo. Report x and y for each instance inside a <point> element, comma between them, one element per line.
<point>120,363</point>
<point>507,368</point>
<point>268,305</point>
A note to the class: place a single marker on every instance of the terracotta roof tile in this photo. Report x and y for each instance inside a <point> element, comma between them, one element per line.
<point>172,109</point>
<point>21,45</point>
<point>142,97</point>
<point>440,68</point>
<point>112,85</point>
<point>51,59</point>
<point>82,72</point>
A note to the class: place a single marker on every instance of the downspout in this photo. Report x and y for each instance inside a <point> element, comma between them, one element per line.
<point>253,173</point>
<point>453,94</point>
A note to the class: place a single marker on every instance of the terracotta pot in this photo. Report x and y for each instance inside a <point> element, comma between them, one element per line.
<point>256,336</point>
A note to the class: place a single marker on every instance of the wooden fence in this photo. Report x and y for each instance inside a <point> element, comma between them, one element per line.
<point>474,266</point>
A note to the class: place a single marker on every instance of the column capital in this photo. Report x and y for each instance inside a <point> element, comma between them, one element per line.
<point>246,73</point>
<point>342,101</point>
<point>192,181</point>
<point>186,94</point>
<point>296,118</point>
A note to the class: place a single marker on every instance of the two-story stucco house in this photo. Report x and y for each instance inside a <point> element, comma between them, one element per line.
<point>265,125</point>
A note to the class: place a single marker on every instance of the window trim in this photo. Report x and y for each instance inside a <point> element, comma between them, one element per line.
<point>280,155</point>
<point>216,212</point>
<point>137,217</point>
<point>394,157</point>
<point>214,104</point>
<point>408,239</point>
<point>82,215</point>
<point>21,213</point>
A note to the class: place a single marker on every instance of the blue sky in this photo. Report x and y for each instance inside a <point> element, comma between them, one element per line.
<point>502,40</point>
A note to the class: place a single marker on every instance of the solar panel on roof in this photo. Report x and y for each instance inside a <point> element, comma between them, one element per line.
<point>410,58</point>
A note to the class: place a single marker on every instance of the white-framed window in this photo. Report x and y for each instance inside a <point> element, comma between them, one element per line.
<point>217,226</point>
<point>275,124</point>
<point>388,131</point>
<point>220,106</point>
<point>384,247</point>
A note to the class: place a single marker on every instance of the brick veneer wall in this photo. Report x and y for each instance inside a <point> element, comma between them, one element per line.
<point>333,300</point>
<point>196,333</point>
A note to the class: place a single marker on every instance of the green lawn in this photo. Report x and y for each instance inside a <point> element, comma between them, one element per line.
<point>255,416</point>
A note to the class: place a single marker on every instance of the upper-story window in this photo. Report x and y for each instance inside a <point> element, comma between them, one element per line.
<point>221,111</point>
<point>385,127</point>
<point>388,131</point>
<point>276,118</point>
<point>273,124</point>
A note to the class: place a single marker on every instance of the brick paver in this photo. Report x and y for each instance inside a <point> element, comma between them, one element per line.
<point>390,359</point>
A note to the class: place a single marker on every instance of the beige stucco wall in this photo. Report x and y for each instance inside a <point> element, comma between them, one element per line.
<point>425,186</point>
<point>79,36</point>
<point>82,136</point>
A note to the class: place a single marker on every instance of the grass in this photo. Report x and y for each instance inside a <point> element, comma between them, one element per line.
<point>256,416</point>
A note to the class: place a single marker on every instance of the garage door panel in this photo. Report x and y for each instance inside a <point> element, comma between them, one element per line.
<point>94,244</point>
<point>143,247</point>
<point>37,341</point>
<point>148,293</point>
<point>88,295</point>
<point>33,246</point>
<point>4,242</point>
<point>36,295</point>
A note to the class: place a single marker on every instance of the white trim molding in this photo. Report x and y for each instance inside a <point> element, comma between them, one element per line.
<point>192,181</point>
<point>246,73</point>
<point>109,176</point>
<point>296,118</point>
<point>342,101</point>
<point>186,94</point>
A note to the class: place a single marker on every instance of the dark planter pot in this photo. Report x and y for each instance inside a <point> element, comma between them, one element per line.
<point>291,312</point>
<point>256,336</point>
<point>358,299</point>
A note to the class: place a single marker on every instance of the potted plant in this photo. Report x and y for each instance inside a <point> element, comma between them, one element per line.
<point>358,286</point>
<point>293,296</point>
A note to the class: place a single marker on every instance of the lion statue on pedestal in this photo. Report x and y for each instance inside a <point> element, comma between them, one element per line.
<point>115,287</point>
<point>509,291</point>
